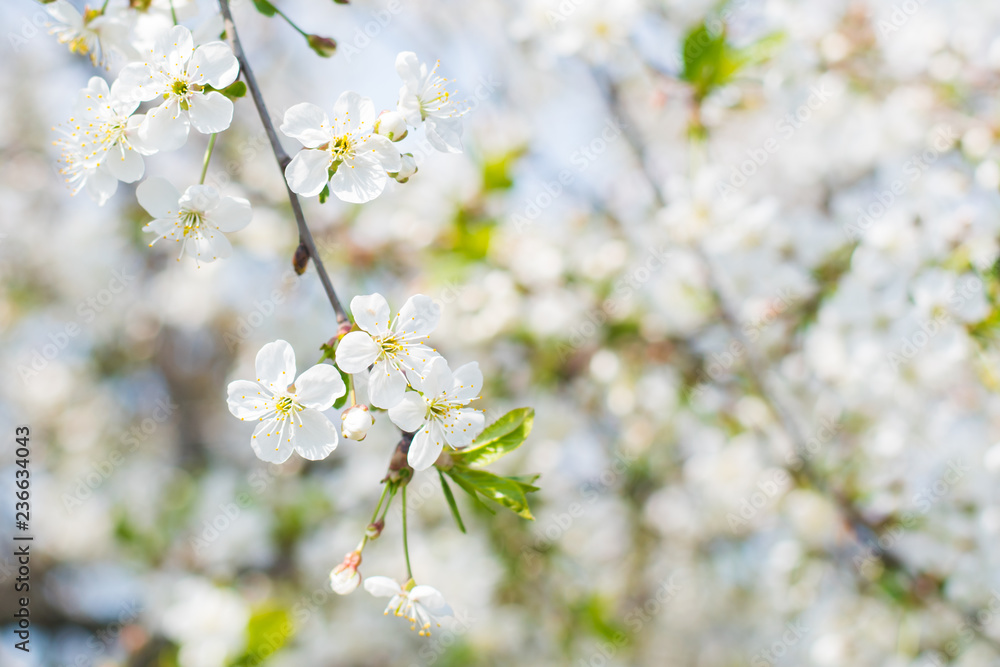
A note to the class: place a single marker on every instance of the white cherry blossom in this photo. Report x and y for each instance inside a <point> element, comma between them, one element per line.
<point>394,345</point>
<point>100,144</point>
<point>423,99</point>
<point>438,414</point>
<point>421,605</point>
<point>94,33</point>
<point>357,420</point>
<point>348,147</point>
<point>345,578</point>
<point>197,219</point>
<point>177,72</point>
<point>289,413</point>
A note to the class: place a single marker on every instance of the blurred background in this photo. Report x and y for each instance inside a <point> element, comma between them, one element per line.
<point>739,257</point>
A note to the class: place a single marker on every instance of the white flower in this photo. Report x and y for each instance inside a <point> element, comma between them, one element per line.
<point>345,578</point>
<point>178,72</point>
<point>407,168</point>
<point>288,412</point>
<point>391,125</point>
<point>348,147</point>
<point>357,420</point>
<point>100,144</point>
<point>439,416</point>
<point>393,346</point>
<point>418,604</point>
<point>423,99</point>
<point>196,219</point>
<point>92,33</point>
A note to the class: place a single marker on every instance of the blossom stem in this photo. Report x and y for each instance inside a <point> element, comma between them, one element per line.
<point>173,11</point>
<point>291,22</point>
<point>104,6</point>
<point>385,490</point>
<point>305,236</point>
<point>208,156</point>
<point>406,547</point>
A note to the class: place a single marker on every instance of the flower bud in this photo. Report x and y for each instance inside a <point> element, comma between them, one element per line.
<point>390,124</point>
<point>323,46</point>
<point>357,421</point>
<point>300,260</point>
<point>345,578</point>
<point>408,168</point>
<point>375,529</point>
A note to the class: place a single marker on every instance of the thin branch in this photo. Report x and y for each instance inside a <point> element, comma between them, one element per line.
<point>305,236</point>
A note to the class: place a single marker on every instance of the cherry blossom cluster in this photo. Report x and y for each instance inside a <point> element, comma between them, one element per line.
<point>172,80</point>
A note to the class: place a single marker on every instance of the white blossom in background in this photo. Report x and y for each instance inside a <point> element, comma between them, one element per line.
<point>198,220</point>
<point>208,623</point>
<point>177,71</point>
<point>288,409</point>
<point>425,100</point>
<point>96,34</point>
<point>100,144</point>
<point>394,345</point>
<point>345,578</point>
<point>437,414</point>
<point>422,605</point>
<point>358,158</point>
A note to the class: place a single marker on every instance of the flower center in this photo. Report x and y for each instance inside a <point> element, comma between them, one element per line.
<point>341,147</point>
<point>284,405</point>
<point>391,345</point>
<point>191,222</point>
<point>179,88</point>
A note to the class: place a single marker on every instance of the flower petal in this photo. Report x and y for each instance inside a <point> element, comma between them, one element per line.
<point>315,437</point>
<point>356,352</point>
<point>408,68</point>
<point>211,112</point>
<point>247,400</point>
<point>425,449</point>
<point>359,179</point>
<point>173,49</point>
<point>199,198</point>
<point>231,215</point>
<point>125,164</point>
<point>409,413</point>
<point>431,598</point>
<point>386,385</point>
<point>307,123</point>
<point>158,197</point>
<point>462,426</point>
<point>382,150</point>
<point>308,172</point>
<point>444,134</point>
<point>468,382</point>
<point>275,365</point>
<point>214,64</point>
<point>436,378</point>
<point>383,587</point>
<point>271,441</point>
<point>101,185</point>
<point>166,127</point>
<point>137,82</point>
<point>418,316</point>
<point>319,387</point>
<point>371,313</point>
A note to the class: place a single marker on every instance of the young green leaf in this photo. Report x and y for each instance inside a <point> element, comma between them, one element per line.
<point>265,7</point>
<point>498,439</point>
<point>451,501</point>
<point>235,90</point>
<point>502,490</point>
<point>469,489</point>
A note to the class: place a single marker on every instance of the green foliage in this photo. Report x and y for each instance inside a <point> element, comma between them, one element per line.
<point>268,630</point>
<point>710,61</point>
<point>265,7</point>
<point>498,439</point>
<point>451,501</point>
<point>324,194</point>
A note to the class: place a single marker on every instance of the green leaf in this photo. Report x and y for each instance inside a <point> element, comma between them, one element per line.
<point>235,90</point>
<point>502,490</point>
<point>324,194</point>
<point>342,401</point>
<point>451,501</point>
<point>468,488</point>
<point>709,61</point>
<point>265,7</point>
<point>268,630</point>
<point>498,439</point>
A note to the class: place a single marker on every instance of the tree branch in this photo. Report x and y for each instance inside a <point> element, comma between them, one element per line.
<point>305,236</point>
